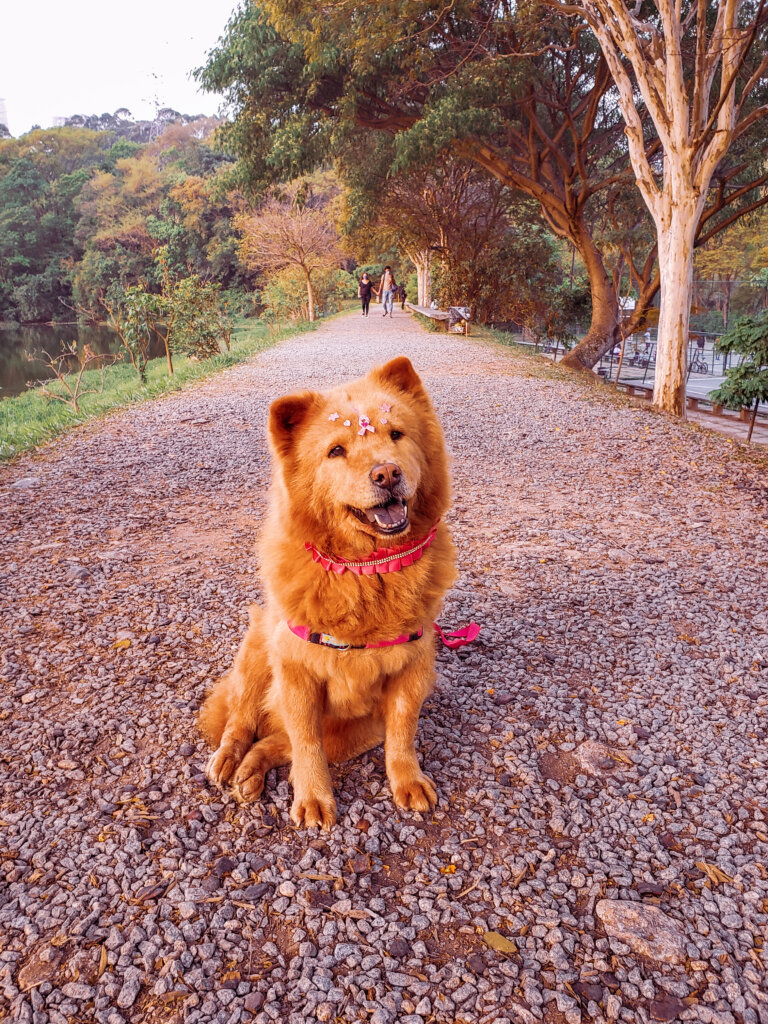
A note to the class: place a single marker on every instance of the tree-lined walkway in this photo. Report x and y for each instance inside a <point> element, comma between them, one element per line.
<point>606,740</point>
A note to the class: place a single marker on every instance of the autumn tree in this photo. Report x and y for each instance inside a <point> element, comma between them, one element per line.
<point>698,71</point>
<point>447,211</point>
<point>295,230</point>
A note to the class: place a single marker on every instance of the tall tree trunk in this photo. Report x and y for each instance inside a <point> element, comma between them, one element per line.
<point>421,261</point>
<point>168,355</point>
<point>426,282</point>
<point>752,420</point>
<point>310,297</point>
<point>166,344</point>
<point>604,329</point>
<point>676,233</point>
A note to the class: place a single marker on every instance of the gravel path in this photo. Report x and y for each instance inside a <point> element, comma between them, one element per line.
<point>600,756</point>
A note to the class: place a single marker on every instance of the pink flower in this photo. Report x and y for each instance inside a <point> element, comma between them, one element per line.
<point>385,407</point>
<point>333,417</point>
<point>347,423</point>
<point>365,425</point>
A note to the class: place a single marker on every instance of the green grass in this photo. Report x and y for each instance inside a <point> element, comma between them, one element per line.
<point>28,420</point>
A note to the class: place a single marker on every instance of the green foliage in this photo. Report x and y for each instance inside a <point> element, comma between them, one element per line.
<point>259,72</point>
<point>186,316</point>
<point>81,215</point>
<point>200,323</point>
<point>133,318</point>
<point>36,221</point>
<point>746,384</point>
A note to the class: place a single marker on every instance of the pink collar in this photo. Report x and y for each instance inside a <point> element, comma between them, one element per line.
<point>381,561</point>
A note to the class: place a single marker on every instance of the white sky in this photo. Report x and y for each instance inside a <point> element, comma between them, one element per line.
<point>87,57</point>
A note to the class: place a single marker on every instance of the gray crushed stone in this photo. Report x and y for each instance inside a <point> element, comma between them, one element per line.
<point>603,741</point>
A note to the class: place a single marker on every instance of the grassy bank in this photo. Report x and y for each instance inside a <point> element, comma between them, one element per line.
<point>30,419</point>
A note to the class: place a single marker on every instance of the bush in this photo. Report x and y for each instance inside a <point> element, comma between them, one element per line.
<point>285,297</point>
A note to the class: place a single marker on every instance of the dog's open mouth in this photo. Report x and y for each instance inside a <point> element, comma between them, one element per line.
<point>391,517</point>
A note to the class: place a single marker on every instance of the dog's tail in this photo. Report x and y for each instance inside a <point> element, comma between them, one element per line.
<point>241,692</point>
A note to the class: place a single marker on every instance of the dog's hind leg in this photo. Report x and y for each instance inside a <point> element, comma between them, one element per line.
<point>270,752</point>
<point>233,711</point>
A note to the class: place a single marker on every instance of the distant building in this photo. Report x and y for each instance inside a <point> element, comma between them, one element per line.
<point>59,122</point>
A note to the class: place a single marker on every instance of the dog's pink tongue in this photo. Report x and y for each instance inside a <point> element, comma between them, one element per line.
<point>391,515</point>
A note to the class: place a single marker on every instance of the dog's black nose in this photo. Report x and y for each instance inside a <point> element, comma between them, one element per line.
<point>387,474</point>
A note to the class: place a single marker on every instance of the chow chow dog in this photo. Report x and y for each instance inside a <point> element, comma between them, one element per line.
<point>355,563</point>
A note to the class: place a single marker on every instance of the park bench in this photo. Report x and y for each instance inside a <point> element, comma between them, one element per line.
<point>442,316</point>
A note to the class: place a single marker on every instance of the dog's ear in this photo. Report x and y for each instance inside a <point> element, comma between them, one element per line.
<point>285,417</point>
<point>399,373</point>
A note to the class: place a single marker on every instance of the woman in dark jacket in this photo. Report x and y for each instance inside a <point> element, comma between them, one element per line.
<point>364,292</point>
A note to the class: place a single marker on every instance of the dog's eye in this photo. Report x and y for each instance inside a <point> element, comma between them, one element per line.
<point>336,452</point>
<point>395,434</point>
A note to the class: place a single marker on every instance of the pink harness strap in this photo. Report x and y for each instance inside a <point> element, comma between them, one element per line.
<point>326,640</point>
<point>458,638</point>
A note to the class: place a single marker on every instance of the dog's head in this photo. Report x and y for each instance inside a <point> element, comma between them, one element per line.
<point>368,457</point>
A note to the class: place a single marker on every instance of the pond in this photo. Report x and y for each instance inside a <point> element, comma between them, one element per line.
<point>17,342</point>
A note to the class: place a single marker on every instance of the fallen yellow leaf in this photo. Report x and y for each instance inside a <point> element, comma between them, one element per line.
<point>713,872</point>
<point>120,645</point>
<point>497,941</point>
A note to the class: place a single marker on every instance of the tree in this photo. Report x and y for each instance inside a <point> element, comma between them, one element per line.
<point>301,79</point>
<point>292,231</point>
<point>132,317</point>
<point>448,211</point>
<point>68,368</point>
<point>746,385</point>
<point>693,72</point>
<point>514,88</point>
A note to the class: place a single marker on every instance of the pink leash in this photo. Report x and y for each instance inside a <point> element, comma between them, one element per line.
<point>459,637</point>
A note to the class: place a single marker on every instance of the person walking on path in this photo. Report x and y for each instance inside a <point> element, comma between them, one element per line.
<point>364,291</point>
<point>386,289</point>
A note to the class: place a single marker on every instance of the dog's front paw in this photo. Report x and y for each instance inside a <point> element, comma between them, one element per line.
<point>315,809</point>
<point>416,794</point>
<point>223,762</point>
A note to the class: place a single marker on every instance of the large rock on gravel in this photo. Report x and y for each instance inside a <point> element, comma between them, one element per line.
<point>40,967</point>
<point>594,758</point>
<point>646,930</point>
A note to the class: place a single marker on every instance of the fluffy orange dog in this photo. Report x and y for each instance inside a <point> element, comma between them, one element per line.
<point>342,655</point>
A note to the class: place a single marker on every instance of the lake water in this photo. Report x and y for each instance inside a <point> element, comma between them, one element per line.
<point>16,342</point>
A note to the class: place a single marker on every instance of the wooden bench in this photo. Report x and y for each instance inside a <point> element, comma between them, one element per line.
<point>440,315</point>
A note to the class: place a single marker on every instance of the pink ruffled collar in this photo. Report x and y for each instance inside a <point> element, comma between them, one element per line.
<point>381,561</point>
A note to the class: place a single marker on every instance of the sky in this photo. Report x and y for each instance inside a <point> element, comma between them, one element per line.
<point>86,57</point>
